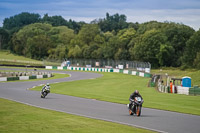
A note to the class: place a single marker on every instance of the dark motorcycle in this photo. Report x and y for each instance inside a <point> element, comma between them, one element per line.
<point>44,93</point>
<point>136,106</point>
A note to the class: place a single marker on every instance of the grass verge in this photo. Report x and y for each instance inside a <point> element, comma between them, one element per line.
<point>17,117</point>
<point>115,87</point>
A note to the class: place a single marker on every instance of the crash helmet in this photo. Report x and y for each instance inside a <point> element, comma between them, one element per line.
<point>47,84</point>
<point>136,92</point>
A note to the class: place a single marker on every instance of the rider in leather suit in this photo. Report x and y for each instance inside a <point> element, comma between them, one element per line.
<point>132,97</point>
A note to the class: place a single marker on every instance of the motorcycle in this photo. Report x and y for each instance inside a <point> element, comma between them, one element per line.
<point>44,93</point>
<point>136,106</point>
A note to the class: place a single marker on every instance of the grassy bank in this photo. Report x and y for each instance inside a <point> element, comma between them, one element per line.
<point>16,117</point>
<point>8,58</point>
<point>114,87</point>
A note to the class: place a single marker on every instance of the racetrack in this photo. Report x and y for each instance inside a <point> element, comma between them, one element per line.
<point>156,120</point>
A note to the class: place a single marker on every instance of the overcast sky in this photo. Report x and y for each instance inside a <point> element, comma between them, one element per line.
<point>179,11</point>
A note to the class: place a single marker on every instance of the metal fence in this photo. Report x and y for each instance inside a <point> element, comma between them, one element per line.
<point>101,63</point>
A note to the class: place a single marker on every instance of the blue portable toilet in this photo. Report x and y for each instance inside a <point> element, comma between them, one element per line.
<point>186,82</point>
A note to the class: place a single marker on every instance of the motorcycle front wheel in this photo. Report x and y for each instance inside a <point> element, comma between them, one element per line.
<point>130,112</point>
<point>138,110</point>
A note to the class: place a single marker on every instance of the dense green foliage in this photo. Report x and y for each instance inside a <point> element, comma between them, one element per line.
<point>53,37</point>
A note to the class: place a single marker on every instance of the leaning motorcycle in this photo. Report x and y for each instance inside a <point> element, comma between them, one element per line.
<point>44,93</point>
<point>136,106</point>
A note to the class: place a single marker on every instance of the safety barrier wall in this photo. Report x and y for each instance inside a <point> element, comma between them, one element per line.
<point>194,90</point>
<point>25,77</point>
<point>137,73</point>
<point>179,89</point>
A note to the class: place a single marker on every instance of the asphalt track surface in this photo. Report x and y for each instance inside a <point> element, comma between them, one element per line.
<point>152,119</point>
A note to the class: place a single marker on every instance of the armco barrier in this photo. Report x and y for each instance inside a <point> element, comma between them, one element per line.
<point>12,78</point>
<point>194,90</point>
<point>32,77</point>
<point>137,73</point>
<point>24,77</point>
<point>45,76</point>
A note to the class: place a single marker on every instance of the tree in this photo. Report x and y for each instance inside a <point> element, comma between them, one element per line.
<point>75,52</point>
<point>4,36</point>
<point>177,36</point>
<point>115,22</point>
<point>54,20</point>
<point>59,53</point>
<point>111,47</point>
<point>191,49</point>
<point>38,46</point>
<point>26,40</point>
<point>196,63</point>
<point>166,55</point>
<point>87,33</point>
<point>148,45</point>
<point>20,20</point>
<point>61,34</point>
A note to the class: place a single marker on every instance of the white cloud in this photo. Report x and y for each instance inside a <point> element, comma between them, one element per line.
<point>188,17</point>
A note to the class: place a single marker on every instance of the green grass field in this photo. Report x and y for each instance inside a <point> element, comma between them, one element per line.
<point>115,87</point>
<point>20,118</point>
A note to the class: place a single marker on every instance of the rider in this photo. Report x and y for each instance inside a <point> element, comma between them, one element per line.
<point>132,97</point>
<point>46,88</point>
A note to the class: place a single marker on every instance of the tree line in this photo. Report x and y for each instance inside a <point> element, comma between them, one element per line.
<point>53,37</point>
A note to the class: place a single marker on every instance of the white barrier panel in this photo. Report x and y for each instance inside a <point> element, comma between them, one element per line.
<point>183,90</point>
<point>48,75</point>
<point>125,71</point>
<point>39,76</point>
<point>24,78</point>
<point>60,68</point>
<point>147,70</point>
<point>116,70</point>
<point>48,67</point>
<point>141,74</point>
<point>3,79</point>
<point>68,68</point>
<point>134,72</point>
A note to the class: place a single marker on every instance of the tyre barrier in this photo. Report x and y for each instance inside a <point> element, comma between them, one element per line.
<point>130,72</point>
